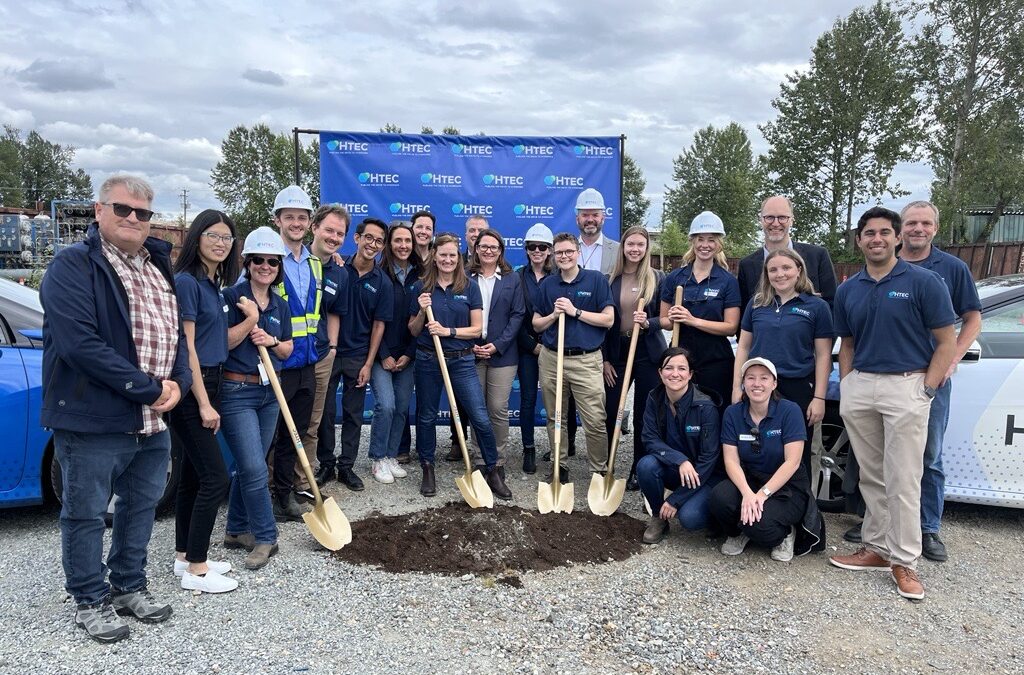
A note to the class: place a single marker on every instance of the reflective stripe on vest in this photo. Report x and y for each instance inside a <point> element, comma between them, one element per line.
<point>305,319</point>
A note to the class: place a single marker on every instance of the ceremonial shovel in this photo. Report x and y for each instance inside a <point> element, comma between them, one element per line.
<point>557,497</point>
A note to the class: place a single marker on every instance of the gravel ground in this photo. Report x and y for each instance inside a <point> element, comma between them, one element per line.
<point>676,607</point>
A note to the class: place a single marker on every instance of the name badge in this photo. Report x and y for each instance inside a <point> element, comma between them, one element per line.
<point>711,292</point>
<point>330,289</point>
<point>747,437</point>
<point>264,379</point>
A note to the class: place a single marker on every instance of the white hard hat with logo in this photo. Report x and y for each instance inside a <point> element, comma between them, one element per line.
<point>540,233</point>
<point>706,223</point>
<point>292,197</point>
<point>590,199</point>
<point>264,241</point>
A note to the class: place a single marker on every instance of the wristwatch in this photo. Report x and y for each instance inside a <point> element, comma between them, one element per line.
<point>930,391</point>
<point>766,491</point>
<point>276,343</point>
<point>579,312</point>
<point>451,332</point>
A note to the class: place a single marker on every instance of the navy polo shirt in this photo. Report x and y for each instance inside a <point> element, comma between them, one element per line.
<point>200,301</point>
<point>891,320</point>
<point>369,299</point>
<point>590,292</point>
<point>957,276</point>
<point>708,300</point>
<point>450,309</point>
<point>333,301</point>
<point>783,424</point>
<point>276,320</point>
<point>785,333</point>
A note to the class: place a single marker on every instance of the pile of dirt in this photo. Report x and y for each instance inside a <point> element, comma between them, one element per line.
<point>456,539</point>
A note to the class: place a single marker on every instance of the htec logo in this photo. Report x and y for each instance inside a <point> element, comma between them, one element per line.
<point>471,150</point>
<point>399,147</point>
<point>357,209</point>
<point>563,181</point>
<point>461,209</point>
<point>440,179</point>
<point>403,209</point>
<point>899,295</point>
<point>533,150</point>
<point>593,151</point>
<point>534,211</point>
<point>347,146</point>
<point>371,178</point>
<point>497,180</point>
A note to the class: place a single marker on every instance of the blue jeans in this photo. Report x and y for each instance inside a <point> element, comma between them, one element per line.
<point>466,387</point>
<point>654,477</point>
<point>933,480</point>
<point>248,418</point>
<point>133,467</point>
<point>391,395</point>
<point>529,375</point>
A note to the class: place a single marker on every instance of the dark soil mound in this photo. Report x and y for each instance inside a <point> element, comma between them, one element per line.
<point>456,539</point>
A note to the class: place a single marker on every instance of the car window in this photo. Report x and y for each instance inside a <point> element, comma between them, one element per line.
<point>1002,332</point>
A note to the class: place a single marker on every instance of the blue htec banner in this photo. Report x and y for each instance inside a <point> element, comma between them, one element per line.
<point>513,181</point>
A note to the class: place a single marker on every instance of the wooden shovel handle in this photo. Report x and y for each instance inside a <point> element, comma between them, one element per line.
<point>451,395</point>
<point>675,324</point>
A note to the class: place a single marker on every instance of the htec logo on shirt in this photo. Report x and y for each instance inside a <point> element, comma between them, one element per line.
<point>369,287</point>
<point>274,319</point>
<point>693,428</point>
<point>801,312</point>
<point>770,433</point>
<point>461,298</point>
<point>583,294</point>
<point>711,292</point>
<point>899,295</point>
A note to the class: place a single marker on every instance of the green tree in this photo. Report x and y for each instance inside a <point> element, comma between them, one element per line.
<point>671,242</point>
<point>10,168</point>
<point>390,128</point>
<point>451,130</point>
<point>718,173</point>
<point>992,166</point>
<point>35,169</point>
<point>634,203</point>
<point>426,130</point>
<point>844,124</point>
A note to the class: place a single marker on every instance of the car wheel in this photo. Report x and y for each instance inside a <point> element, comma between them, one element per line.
<point>836,450</point>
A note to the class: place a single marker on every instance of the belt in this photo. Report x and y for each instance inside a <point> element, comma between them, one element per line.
<point>242,377</point>
<point>573,351</point>
<point>210,371</point>
<point>453,354</point>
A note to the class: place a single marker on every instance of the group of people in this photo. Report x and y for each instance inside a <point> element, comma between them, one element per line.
<point>132,344</point>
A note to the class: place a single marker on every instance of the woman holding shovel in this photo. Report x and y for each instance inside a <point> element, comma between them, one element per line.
<point>538,251</point>
<point>457,307</point>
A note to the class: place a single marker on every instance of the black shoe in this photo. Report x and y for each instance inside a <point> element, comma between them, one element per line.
<point>547,456</point>
<point>403,458</point>
<point>349,479</point>
<point>632,484</point>
<point>323,475</point>
<point>497,484</point>
<point>933,548</point>
<point>287,509</point>
<point>562,471</point>
<point>572,450</point>
<point>454,454</point>
<point>529,460</point>
<point>428,488</point>
<point>852,535</point>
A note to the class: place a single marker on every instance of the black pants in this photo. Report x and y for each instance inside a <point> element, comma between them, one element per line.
<point>325,440</point>
<point>204,477</point>
<point>716,376</point>
<point>353,402</point>
<point>299,388</point>
<point>781,512</point>
<point>645,375</point>
<point>801,392</point>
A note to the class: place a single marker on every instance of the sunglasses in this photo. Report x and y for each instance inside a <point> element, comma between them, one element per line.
<point>755,444</point>
<point>123,211</point>
<point>543,248</point>
<point>259,260</point>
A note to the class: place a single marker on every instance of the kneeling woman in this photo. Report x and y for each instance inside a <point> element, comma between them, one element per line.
<point>458,321</point>
<point>681,439</point>
<point>767,495</point>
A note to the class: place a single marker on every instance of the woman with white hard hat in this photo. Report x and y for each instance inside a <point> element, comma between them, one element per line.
<point>710,311</point>
<point>257,317</point>
<point>538,252</point>
<point>767,498</point>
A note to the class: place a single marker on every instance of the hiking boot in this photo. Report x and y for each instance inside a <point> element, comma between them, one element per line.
<point>244,540</point>
<point>428,488</point>
<point>784,551</point>
<point>382,471</point>
<point>497,484</point>
<point>529,460</point>
<point>735,545</point>
<point>286,508</point>
<point>933,548</point>
<point>656,530</point>
<point>260,556</point>
<point>403,458</point>
<point>861,560</point>
<point>454,454</point>
<point>853,535</point>
<point>142,605</point>
<point>101,622</point>
<point>907,582</point>
<point>349,479</point>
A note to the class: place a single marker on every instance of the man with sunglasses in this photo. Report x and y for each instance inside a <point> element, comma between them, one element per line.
<point>114,361</point>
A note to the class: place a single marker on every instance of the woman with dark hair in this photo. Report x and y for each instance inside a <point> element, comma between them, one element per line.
<point>257,317</point>
<point>681,435</point>
<point>539,264</point>
<point>458,320</point>
<point>208,259</point>
<point>496,352</point>
<point>392,374</point>
<point>633,278</point>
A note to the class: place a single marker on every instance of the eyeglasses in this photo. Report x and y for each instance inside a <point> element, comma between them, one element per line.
<point>224,238</point>
<point>568,253</point>
<point>771,219</point>
<point>487,248</point>
<point>259,260</point>
<point>538,247</point>
<point>376,241</point>
<point>123,211</point>
<point>755,444</point>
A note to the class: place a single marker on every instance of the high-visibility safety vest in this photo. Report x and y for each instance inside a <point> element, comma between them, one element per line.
<point>304,318</point>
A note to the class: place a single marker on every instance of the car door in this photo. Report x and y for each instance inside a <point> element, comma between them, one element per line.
<point>13,412</point>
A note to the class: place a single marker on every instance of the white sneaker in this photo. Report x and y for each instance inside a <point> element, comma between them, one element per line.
<point>396,469</point>
<point>211,582</point>
<point>382,471</point>
<point>218,566</point>
<point>735,545</point>
<point>784,551</point>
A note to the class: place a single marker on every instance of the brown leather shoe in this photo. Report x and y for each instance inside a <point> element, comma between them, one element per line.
<point>403,458</point>
<point>656,530</point>
<point>497,484</point>
<point>862,559</point>
<point>907,582</point>
<point>428,488</point>
<point>454,454</point>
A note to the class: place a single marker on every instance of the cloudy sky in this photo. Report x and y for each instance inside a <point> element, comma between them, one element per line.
<point>153,86</point>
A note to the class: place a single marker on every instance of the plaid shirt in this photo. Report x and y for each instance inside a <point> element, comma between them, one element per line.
<point>153,309</point>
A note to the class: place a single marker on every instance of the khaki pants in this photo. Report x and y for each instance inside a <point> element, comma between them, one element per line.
<point>886,417</point>
<point>497,386</point>
<point>583,376</point>
<point>322,372</point>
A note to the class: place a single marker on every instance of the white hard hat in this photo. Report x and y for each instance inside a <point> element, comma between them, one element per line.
<point>539,233</point>
<point>707,223</point>
<point>264,241</point>
<point>590,199</point>
<point>292,197</point>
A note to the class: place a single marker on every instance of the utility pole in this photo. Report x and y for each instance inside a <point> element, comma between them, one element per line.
<point>184,210</point>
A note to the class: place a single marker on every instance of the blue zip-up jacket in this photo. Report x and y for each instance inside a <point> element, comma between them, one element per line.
<point>397,340</point>
<point>91,377</point>
<point>697,421</point>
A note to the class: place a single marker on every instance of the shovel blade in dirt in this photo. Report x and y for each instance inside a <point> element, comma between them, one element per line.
<point>605,494</point>
<point>328,525</point>
<point>555,497</point>
<point>475,490</point>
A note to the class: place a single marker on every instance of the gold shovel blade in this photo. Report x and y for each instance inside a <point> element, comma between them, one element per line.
<point>475,490</point>
<point>328,525</point>
<point>604,496</point>
<point>555,497</point>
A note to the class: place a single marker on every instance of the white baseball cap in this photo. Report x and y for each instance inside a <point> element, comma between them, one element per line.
<point>758,361</point>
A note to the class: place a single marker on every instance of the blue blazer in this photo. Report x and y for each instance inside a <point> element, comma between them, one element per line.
<point>505,316</point>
